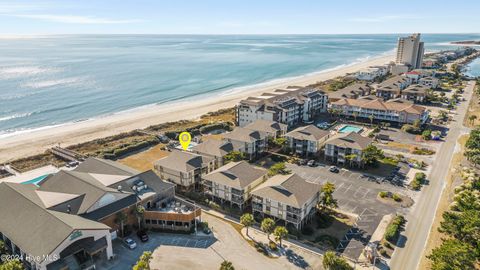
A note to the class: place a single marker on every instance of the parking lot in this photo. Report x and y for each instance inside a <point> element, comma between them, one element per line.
<point>127,257</point>
<point>356,193</point>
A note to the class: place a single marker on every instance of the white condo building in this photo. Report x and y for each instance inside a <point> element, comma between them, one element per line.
<point>410,51</point>
<point>290,106</point>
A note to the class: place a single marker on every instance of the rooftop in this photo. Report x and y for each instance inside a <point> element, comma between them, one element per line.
<point>350,140</point>
<point>183,161</point>
<point>245,135</point>
<point>266,126</point>
<point>236,174</point>
<point>308,133</point>
<point>398,105</point>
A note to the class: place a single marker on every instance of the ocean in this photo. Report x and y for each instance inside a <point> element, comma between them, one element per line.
<point>53,80</point>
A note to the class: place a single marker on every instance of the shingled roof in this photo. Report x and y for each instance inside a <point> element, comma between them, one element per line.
<point>183,161</point>
<point>350,140</point>
<point>307,133</point>
<point>236,174</point>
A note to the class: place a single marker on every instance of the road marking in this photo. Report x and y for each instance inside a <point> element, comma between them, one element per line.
<point>348,188</point>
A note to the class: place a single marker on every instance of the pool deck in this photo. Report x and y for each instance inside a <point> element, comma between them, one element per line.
<point>30,175</point>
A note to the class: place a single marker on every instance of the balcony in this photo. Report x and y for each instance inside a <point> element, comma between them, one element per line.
<point>294,210</point>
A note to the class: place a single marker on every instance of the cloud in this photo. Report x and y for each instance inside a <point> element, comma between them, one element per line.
<point>74,19</point>
<point>381,18</point>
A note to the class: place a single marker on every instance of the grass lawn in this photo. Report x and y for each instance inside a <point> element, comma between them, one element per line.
<point>144,161</point>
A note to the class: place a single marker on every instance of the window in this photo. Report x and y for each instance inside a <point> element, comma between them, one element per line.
<point>267,208</point>
<point>147,221</point>
<point>154,221</point>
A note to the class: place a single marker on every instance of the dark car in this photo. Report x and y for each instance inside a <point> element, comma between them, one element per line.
<point>142,235</point>
<point>334,169</point>
<point>207,230</point>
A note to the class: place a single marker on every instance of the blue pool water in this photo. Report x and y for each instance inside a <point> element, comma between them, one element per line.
<point>35,180</point>
<point>348,129</point>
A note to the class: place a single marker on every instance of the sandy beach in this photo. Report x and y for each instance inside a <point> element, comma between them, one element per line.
<point>34,142</point>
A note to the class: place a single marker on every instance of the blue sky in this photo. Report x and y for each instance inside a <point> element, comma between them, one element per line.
<point>238,16</point>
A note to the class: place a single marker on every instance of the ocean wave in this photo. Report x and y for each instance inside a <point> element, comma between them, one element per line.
<point>50,83</point>
<point>14,116</point>
<point>24,71</point>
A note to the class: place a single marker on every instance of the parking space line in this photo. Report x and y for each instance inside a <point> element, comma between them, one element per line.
<point>348,188</point>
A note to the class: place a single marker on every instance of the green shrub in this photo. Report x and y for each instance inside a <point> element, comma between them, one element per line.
<point>272,245</point>
<point>397,197</point>
<point>383,194</point>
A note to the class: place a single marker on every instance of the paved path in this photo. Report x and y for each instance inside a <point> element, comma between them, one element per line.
<point>420,219</point>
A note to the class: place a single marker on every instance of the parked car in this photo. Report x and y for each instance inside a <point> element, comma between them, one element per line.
<point>311,163</point>
<point>334,169</point>
<point>302,162</point>
<point>207,230</point>
<point>130,243</point>
<point>142,235</point>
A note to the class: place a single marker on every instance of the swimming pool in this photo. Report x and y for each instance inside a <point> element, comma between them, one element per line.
<point>348,129</point>
<point>35,180</point>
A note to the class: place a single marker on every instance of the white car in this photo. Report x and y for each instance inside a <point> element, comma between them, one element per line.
<point>130,243</point>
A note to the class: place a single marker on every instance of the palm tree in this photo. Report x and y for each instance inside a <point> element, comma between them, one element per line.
<point>280,233</point>
<point>139,212</point>
<point>247,220</point>
<point>472,119</point>
<point>355,114</point>
<point>371,119</point>
<point>326,199</point>
<point>333,262</point>
<point>144,262</point>
<point>120,219</point>
<point>226,265</point>
<point>267,226</point>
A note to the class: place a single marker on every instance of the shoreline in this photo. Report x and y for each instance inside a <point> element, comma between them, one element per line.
<point>31,142</point>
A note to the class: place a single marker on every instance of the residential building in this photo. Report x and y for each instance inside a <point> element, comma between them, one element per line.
<point>430,82</point>
<point>286,197</point>
<point>286,106</point>
<point>392,87</point>
<point>398,69</point>
<point>234,182</point>
<point>347,148</point>
<point>352,91</point>
<point>184,168</point>
<point>410,51</point>
<point>395,110</point>
<point>416,93</point>
<point>367,74</point>
<point>250,142</point>
<point>216,149</point>
<point>68,219</point>
<point>307,140</point>
<point>271,128</point>
<point>413,75</point>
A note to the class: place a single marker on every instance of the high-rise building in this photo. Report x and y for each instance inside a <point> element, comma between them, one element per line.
<point>410,51</point>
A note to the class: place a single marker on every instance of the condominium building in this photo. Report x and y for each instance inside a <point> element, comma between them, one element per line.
<point>394,110</point>
<point>430,82</point>
<point>69,219</point>
<point>286,197</point>
<point>410,51</point>
<point>392,87</point>
<point>346,148</point>
<point>184,168</point>
<point>216,149</point>
<point>416,93</point>
<point>286,106</point>
<point>271,128</point>
<point>371,73</point>
<point>250,142</point>
<point>352,91</point>
<point>234,182</point>
<point>307,140</point>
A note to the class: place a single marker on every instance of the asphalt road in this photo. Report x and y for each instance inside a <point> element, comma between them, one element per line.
<point>420,219</point>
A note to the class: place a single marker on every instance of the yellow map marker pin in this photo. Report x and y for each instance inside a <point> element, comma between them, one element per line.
<point>185,139</point>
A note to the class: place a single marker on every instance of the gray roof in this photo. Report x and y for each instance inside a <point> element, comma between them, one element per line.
<point>393,84</point>
<point>289,189</point>
<point>183,161</point>
<point>73,182</point>
<point>266,126</point>
<point>416,89</point>
<point>103,166</point>
<point>350,140</point>
<point>308,133</point>
<point>31,226</point>
<point>245,135</point>
<point>236,174</point>
<point>351,91</point>
<point>216,148</point>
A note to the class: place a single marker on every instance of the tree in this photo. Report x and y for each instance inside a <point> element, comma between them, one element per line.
<point>280,141</point>
<point>472,119</point>
<point>12,265</point>
<point>278,168</point>
<point>267,226</point>
<point>139,212</point>
<point>120,219</point>
<point>452,254</point>
<point>371,119</point>
<point>226,265</point>
<point>326,198</point>
<point>350,158</point>
<point>427,134</point>
<point>333,262</point>
<point>464,226</point>
<point>280,233</point>
<point>371,154</point>
<point>235,156</point>
<point>144,262</point>
<point>247,220</point>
